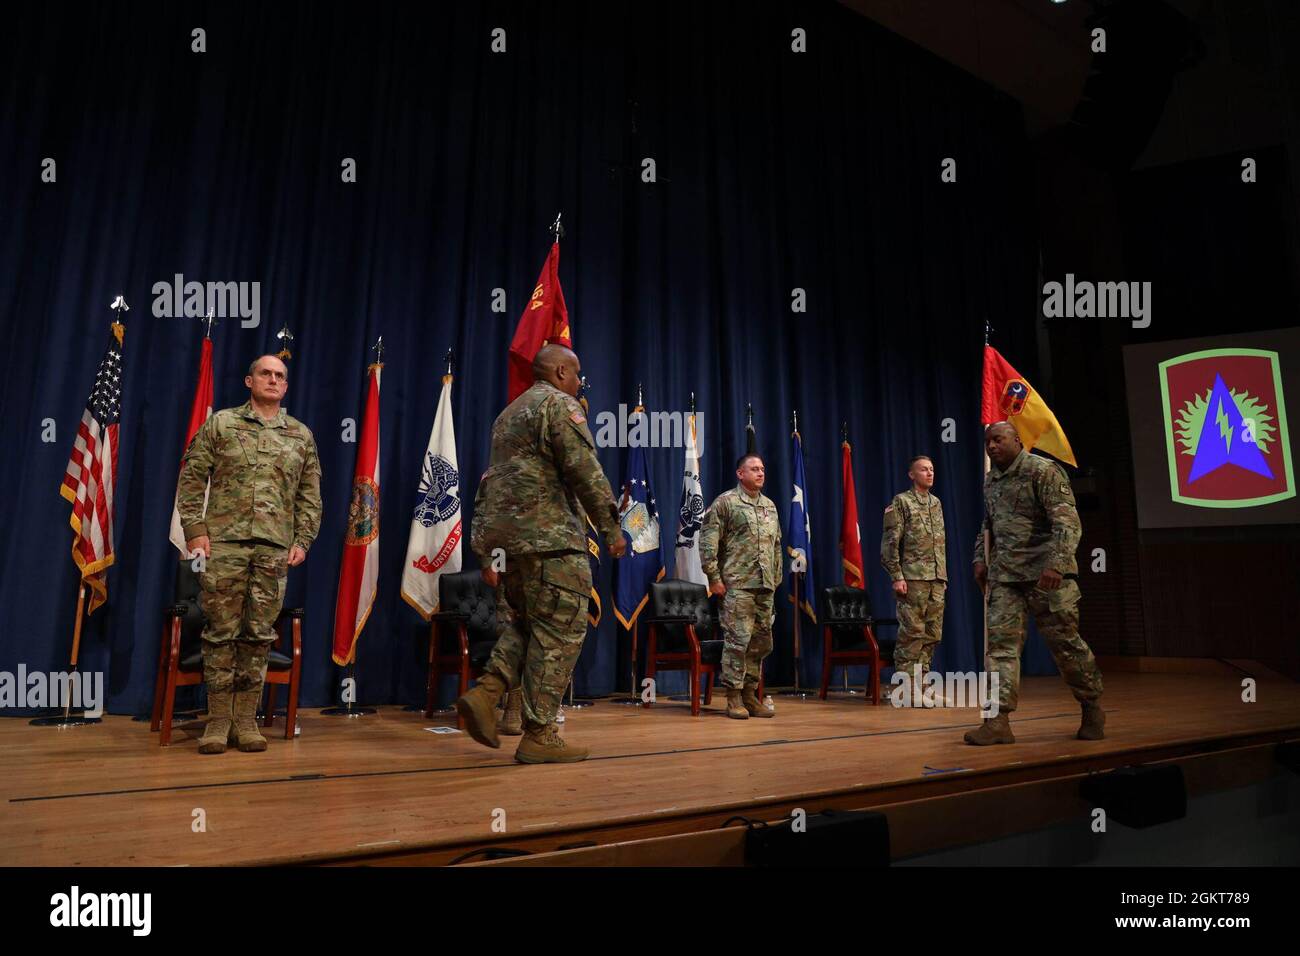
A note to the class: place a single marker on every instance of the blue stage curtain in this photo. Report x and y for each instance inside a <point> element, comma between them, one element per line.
<point>776,171</point>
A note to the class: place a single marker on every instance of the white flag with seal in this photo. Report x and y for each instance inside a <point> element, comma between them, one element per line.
<point>690,516</point>
<point>434,546</point>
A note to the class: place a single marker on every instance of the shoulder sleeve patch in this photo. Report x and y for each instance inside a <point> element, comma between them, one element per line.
<point>577,418</point>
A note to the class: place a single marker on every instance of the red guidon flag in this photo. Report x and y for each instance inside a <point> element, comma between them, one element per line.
<point>91,475</point>
<point>359,573</point>
<point>545,320</point>
<point>433,549</point>
<point>1008,397</point>
<point>850,536</point>
<point>200,412</point>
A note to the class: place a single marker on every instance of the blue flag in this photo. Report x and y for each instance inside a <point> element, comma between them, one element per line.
<point>639,519</point>
<point>800,545</point>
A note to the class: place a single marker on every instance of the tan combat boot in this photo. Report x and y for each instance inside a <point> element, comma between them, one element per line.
<point>512,721</point>
<point>736,704</point>
<point>219,724</point>
<point>478,709</point>
<point>543,744</point>
<point>753,706</point>
<point>250,739</point>
<point>995,730</point>
<point>1093,726</point>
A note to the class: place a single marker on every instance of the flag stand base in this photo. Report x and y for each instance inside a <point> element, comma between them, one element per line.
<point>348,711</point>
<point>63,720</point>
<point>627,701</point>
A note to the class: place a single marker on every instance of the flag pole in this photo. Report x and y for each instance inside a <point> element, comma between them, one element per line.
<point>66,719</point>
<point>797,586</point>
<point>984,448</point>
<point>844,439</point>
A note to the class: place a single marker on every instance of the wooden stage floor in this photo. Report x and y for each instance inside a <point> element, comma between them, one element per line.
<point>383,790</point>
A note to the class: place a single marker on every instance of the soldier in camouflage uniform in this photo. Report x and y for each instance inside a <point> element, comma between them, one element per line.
<point>263,512</point>
<point>913,549</point>
<point>740,552</point>
<point>528,510</point>
<point>1033,530</point>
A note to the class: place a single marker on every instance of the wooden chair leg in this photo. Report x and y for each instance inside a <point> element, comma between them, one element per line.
<point>708,687</point>
<point>160,682</point>
<point>169,699</point>
<point>291,711</point>
<point>268,717</point>
<point>695,685</point>
<point>651,673</point>
<point>826,662</point>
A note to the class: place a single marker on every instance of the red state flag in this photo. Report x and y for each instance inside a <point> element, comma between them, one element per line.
<point>545,320</point>
<point>850,535</point>
<point>200,412</point>
<point>359,572</point>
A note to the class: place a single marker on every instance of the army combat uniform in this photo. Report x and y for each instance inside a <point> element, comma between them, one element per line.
<point>740,545</point>
<point>543,473</point>
<point>1033,525</point>
<point>913,548</point>
<point>264,498</point>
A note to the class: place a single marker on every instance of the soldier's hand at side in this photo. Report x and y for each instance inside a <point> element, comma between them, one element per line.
<point>1049,580</point>
<point>296,556</point>
<point>982,575</point>
<point>900,588</point>
<point>490,577</point>
<point>201,543</point>
<point>718,589</point>
<point>617,546</point>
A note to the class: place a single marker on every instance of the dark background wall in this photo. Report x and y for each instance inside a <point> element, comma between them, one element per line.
<point>776,170</point>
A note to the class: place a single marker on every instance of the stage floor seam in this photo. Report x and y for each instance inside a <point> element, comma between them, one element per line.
<point>321,777</point>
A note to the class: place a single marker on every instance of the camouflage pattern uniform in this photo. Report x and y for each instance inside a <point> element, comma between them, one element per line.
<point>740,545</point>
<point>530,503</point>
<point>1033,525</point>
<point>913,548</point>
<point>264,498</point>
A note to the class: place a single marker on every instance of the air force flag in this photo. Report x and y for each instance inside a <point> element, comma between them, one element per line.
<point>433,548</point>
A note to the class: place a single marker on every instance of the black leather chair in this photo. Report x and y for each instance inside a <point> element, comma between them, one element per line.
<point>849,636</point>
<point>462,633</point>
<point>684,635</point>
<point>180,657</point>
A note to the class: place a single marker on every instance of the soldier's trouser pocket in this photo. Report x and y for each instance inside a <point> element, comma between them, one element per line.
<point>566,588</point>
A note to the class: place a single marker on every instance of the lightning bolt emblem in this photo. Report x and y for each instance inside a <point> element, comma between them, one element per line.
<point>1225,429</point>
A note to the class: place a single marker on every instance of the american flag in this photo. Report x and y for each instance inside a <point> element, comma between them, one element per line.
<point>92,473</point>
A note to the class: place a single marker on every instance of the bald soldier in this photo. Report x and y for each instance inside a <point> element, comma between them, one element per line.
<point>1033,531</point>
<point>262,514</point>
<point>542,475</point>
<point>740,553</point>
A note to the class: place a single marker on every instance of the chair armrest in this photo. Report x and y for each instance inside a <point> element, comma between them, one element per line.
<point>176,610</point>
